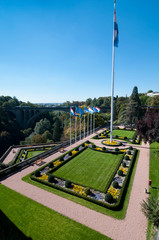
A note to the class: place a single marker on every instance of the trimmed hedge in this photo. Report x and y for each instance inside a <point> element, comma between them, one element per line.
<point>51,178</point>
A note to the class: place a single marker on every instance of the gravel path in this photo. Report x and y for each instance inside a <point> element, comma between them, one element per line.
<point>133,227</point>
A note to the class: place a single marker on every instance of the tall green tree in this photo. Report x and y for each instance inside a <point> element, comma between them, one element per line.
<point>42,126</point>
<point>57,130</point>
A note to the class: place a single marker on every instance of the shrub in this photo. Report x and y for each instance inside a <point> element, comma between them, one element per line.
<point>129,152</point>
<point>51,165</point>
<point>116,136</point>
<point>37,173</point>
<point>82,145</point>
<point>133,141</point>
<point>51,178</point>
<point>130,148</point>
<point>126,157</point>
<point>104,148</point>
<point>70,153</point>
<point>87,141</point>
<point>115,184</point>
<point>124,164</point>
<point>76,149</point>
<point>109,198</point>
<point>120,173</point>
<point>93,146</point>
<point>61,159</point>
<point>125,138</point>
<point>116,149</point>
<point>87,191</point>
<point>68,184</point>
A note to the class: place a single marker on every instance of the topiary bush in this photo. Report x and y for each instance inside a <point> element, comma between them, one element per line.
<point>129,152</point>
<point>126,157</point>
<point>37,173</point>
<point>130,148</point>
<point>116,149</point>
<point>93,146</point>
<point>115,184</point>
<point>51,178</point>
<point>76,149</point>
<point>61,159</point>
<point>104,148</point>
<point>68,184</point>
<point>109,198</point>
<point>87,141</point>
<point>51,165</point>
<point>124,164</point>
<point>87,191</point>
<point>116,136</point>
<point>125,138</point>
<point>120,173</point>
<point>70,153</point>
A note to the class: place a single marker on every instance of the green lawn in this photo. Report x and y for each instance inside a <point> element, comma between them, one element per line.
<point>154,175</point>
<point>37,221</point>
<point>120,214</point>
<point>34,153</point>
<point>123,133</point>
<point>90,168</point>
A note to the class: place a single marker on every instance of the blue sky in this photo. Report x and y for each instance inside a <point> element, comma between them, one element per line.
<point>59,50</point>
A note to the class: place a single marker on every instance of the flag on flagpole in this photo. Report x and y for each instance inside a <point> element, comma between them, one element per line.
<point>94,109</point>
<point>79,111</point>
<point>98,109</point>
<point>116,31</point>
<point>72,112</point>
<point>90,110</point>
<point>86,110</point>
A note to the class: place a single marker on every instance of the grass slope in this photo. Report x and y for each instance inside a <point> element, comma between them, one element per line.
<point>34,153</point>
<point>154,176</point>
<point>39,222</point>
<point>90,168</point>
<point>123,133</point>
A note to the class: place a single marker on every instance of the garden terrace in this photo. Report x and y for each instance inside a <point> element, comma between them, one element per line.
<point>88,173</point>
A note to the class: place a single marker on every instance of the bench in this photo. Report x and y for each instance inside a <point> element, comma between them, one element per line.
<point>38,160</point>
<point>61,150</point>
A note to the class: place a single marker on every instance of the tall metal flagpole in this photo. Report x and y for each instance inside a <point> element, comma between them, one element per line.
<point>70,126</point>
<point>87,124</point>
<point>80,127</point>
<point>84,125</point>
<point>112,89</point>
<point>91,125</point>
<point>75,128</point>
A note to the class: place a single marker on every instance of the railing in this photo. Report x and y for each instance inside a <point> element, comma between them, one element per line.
<point>43,155</point>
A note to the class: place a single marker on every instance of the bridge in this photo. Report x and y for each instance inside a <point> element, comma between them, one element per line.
<point>25,115</point>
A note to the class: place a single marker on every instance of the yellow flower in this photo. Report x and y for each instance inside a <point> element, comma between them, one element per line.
<point>99,149</point>
<point>114,192</point>
<point>73,152</point>
<point>44,177</point>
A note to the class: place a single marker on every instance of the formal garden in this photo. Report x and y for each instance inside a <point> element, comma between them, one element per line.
<point>128,135</point>
<point>99,175</point>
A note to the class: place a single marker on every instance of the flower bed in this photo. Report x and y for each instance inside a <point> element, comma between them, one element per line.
<point>86,192</point>
<point>113,143</point>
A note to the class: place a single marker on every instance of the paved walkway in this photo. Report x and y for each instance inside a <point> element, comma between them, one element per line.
<point>133,227</point>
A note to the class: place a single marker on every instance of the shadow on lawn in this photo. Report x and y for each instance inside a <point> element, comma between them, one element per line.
<point>9,231</point>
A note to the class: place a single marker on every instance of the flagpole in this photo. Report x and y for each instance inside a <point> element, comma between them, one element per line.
<point>80,127</point>
<point>87,124</point>
<point>84,125</point>
<point>70,126</point>
<point>75,128</point>
<point>112,88</point>
<point>94,123</point>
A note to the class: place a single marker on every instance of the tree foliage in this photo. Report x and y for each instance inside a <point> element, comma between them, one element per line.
<point>151,210</point>
<point>42,126</point>
<point>148,127</point>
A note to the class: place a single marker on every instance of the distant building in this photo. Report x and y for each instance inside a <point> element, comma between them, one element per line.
<point>152,94</point>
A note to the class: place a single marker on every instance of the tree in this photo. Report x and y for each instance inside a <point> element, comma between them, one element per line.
<point>148,127</point>
<point>151,210</point>
<point>57,130</point>
<point>155,101</point>
<point>48,135</point>
<point>42,126</point>
<point>38,139</point>
<point>134,96</point>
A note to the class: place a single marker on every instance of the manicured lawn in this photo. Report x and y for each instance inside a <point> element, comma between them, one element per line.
<point>120,214</point>
<point>90,168</point>
<point>154,175</point>
<point>34,153</point>
<point>124,133</point>
<point>37,221</point>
